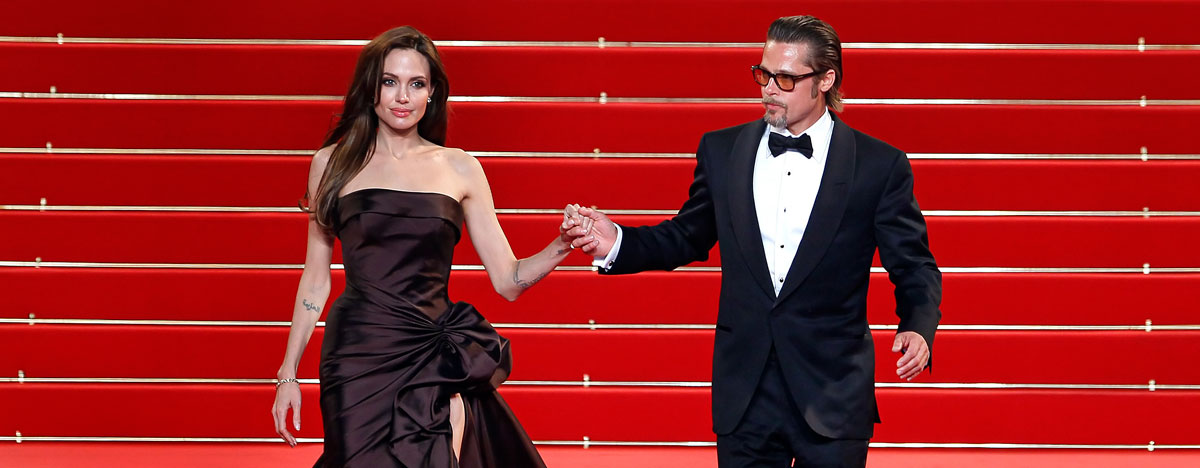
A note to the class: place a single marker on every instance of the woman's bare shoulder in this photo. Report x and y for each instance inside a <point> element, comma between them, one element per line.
<point>460,161</point>
<point>322,155</point>
<point>466,169</point>
<point>320,159</point>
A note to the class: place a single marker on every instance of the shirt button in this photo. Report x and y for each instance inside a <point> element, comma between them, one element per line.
<point>780,280</point>
<point>789,172</point>
<point>781,246</point>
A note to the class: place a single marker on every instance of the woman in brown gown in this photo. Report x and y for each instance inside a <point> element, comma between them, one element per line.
<point>408,378</point>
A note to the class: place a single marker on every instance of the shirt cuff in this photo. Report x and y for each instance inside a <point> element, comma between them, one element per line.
<point>606,262</point>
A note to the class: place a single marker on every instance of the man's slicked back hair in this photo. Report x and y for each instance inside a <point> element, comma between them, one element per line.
<point>824,47</point>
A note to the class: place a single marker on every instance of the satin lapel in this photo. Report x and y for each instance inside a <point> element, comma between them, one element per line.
<point>828,208</point>
<point>741,204</point>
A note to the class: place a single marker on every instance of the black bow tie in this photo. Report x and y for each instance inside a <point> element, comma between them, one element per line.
<point>778,144</point>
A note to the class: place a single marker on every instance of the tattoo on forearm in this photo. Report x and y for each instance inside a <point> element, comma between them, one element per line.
<point>563,251</point>
<point>522,283</point>
<point>310,306</point>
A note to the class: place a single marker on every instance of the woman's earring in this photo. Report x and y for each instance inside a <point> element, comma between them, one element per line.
<point>428,100</point>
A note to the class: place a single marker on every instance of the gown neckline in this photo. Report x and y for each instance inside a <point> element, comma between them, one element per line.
<point>413,192</point>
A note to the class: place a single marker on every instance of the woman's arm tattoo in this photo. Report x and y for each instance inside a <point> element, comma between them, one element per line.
<point>525,284</point>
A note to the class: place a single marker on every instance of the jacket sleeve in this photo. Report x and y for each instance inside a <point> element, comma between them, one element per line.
<point>685,238</point>
<point>904,250</point>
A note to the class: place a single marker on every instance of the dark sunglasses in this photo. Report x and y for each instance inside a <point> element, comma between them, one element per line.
<point>784,81</point>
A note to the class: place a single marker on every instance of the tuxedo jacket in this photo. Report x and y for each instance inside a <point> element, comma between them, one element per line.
<point>817,324</point>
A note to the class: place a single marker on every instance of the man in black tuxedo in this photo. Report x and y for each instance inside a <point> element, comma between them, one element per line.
<point>799,202</point>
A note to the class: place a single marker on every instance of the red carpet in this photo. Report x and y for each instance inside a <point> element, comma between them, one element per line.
<point>655,183</point>
<point>97,455</point>
<point>606,355</point>
<point>992,21</point>
<point>961,241</point>
<point>615,413</point>
<point>89,455</point>
<point>611,127</point>
<point>970,298</point>
<point>1060,347</point>
<point>617,71</point>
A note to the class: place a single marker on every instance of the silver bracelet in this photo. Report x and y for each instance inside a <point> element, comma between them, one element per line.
<point>283,381</point>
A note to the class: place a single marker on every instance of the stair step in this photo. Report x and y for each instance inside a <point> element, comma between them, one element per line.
<point>278,238</point>
<point>645,298</point>
<point>1058,416</point>
<point>619,72</point>
<point>269,455</point>
<point>1018,357</point>
<point>585,127</point>
<point>656,183</point>
<point>1058,21</point>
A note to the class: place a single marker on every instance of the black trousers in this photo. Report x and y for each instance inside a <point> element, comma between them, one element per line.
<point>773,434</point>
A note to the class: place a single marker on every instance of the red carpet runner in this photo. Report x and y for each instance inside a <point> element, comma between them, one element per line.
<point>151,160</point>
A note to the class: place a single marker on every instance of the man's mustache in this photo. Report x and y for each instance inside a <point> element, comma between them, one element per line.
<point>774,102</point>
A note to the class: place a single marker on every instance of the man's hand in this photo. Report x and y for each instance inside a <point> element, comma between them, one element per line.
<point>916,354</point>
<point>573,226</point>
<point>602,237</point>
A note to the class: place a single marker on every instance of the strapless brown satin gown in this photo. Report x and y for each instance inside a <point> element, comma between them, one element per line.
<point>396,348</point>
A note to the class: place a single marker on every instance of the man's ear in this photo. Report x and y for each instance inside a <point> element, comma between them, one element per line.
<point>827,80</point>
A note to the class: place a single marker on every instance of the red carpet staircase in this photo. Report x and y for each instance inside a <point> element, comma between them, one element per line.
<point>151,159</point>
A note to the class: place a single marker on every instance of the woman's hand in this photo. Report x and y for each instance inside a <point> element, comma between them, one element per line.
<point>287,395</point>
<point>574,225</point>
<point>599,241</point>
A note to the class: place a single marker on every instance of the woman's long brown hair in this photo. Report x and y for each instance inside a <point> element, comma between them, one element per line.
<point>355,131</point>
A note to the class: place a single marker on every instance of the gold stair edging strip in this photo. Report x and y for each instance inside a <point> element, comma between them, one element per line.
<point>600,43</point>
<point>1150,447</point>
<point>39,263</point>
<point>604,99</point>
<point>591,326</point>
<point>586,155</point>
<point>587,383</point>
<point>556,211</point>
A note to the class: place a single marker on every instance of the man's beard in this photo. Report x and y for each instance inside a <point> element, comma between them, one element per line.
<point>780,119</point>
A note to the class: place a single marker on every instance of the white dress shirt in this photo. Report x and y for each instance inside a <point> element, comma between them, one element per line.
<point>785,189</point>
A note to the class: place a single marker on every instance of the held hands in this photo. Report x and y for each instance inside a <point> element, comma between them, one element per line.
<point>593,233</point>
<point>916,354</point>
<point>287,395</point>
<point>574,226</point>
